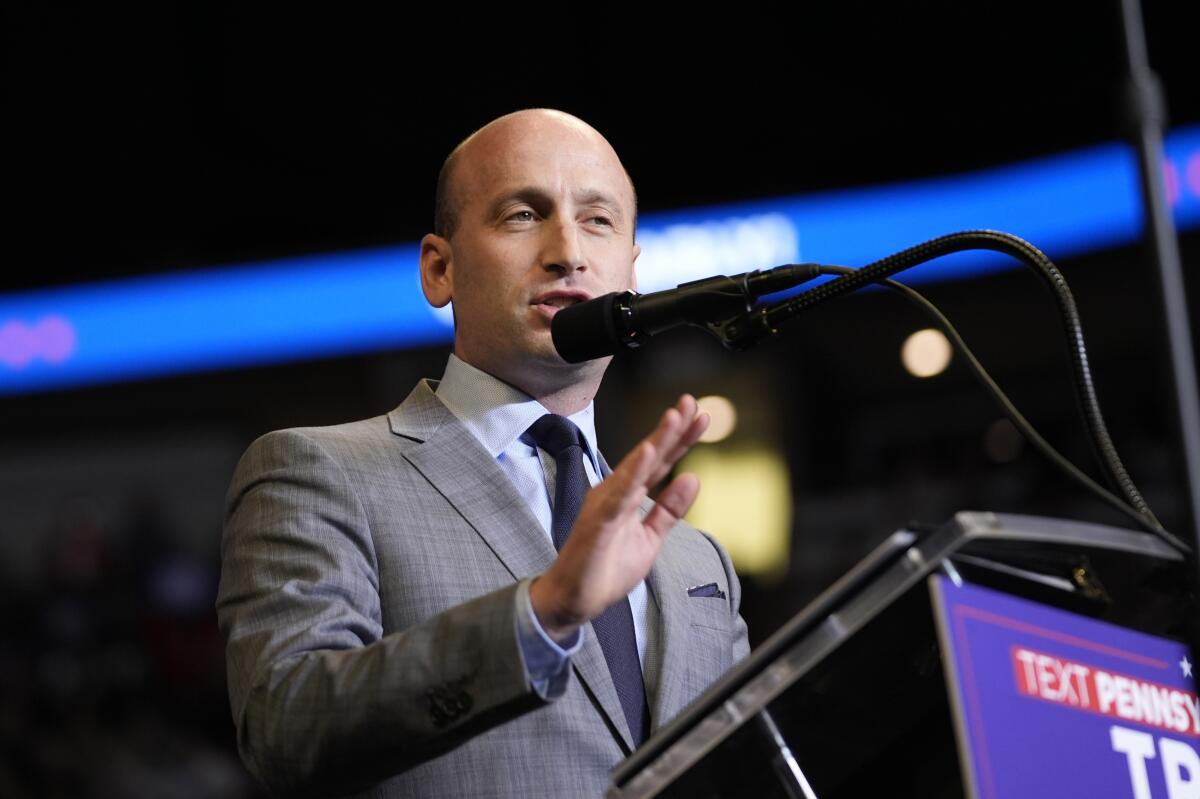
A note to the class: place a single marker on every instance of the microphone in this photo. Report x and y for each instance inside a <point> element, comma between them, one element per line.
<point>601,326</point>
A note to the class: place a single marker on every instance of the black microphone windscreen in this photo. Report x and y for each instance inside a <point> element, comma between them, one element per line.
<point>587,330</point>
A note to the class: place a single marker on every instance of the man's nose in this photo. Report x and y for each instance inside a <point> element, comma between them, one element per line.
<point>563,249</point>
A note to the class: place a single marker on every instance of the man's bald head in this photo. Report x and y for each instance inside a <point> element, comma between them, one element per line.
<point>448,199</point>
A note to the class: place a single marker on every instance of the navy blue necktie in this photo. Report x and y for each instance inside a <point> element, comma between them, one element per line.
<point>614,627</point>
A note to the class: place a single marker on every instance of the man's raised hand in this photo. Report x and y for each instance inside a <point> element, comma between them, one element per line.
<point>612,547</point>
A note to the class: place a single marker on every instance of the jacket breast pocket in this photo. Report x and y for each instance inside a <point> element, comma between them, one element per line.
<point>710,634</point>
<point>710,612</point>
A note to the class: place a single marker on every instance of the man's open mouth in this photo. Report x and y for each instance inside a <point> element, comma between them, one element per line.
<point>552,302</point>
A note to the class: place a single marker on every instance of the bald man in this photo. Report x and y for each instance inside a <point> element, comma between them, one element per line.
<point>432,602</point>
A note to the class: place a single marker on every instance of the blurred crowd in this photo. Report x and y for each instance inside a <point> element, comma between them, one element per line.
<point>111,667</point>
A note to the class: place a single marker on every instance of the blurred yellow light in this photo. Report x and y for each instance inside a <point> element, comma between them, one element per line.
<point>926,353</point>
<point>746,502</point>
<point>723,418</point>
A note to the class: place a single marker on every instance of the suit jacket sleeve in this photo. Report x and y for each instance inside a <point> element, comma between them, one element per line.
<point>323,701</point>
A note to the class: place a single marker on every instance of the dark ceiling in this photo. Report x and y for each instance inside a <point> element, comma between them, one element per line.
<point>181,136</point>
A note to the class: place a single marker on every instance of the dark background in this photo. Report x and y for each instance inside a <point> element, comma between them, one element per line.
<point>181,137</point>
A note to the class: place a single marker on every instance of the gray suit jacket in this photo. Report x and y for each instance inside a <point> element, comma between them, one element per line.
<point>368,597</point>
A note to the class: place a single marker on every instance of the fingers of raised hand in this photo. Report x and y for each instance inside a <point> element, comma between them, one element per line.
<point>626,487</point>
<point>688,437</point>
<point>646,459</point>
<point>652,460</point>
<point>673,503</point>
<point>679,430</point>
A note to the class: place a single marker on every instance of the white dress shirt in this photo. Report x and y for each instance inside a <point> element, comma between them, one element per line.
<point>498,415</point>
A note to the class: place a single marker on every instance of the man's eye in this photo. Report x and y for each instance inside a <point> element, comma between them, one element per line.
<point>602,220</point>
<point>521,216</point>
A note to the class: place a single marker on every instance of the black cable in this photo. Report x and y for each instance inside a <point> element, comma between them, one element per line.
<point>767,320</point>
<point>1015,416</point>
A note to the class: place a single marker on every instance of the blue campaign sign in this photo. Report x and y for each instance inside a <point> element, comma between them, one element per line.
<point>1051,704</point>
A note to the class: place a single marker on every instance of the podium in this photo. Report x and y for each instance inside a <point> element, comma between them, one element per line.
<point>998,655</point>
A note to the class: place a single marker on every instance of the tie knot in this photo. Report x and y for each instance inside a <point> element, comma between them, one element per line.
<point>555,434</point>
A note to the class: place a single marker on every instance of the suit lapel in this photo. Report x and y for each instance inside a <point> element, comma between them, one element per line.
<point>458,466</point>
<point>667,585</point>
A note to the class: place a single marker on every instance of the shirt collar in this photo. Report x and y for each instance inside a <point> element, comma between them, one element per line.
<point>497,413</point>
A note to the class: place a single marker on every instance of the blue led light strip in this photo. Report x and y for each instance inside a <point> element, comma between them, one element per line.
<point>346,302</point>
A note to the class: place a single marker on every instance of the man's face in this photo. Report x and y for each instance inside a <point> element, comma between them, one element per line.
<point>546,216</point>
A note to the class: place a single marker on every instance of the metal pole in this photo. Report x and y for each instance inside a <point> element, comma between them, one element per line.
<point>787,770</point>
<point>1146,109</point>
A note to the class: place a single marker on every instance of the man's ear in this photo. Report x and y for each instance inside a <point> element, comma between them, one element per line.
<point>437,273</point>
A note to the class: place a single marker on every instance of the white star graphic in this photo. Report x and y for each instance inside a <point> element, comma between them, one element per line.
<point>1186,665</point>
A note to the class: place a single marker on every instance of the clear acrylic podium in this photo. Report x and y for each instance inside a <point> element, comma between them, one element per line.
<point>849,698</point>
